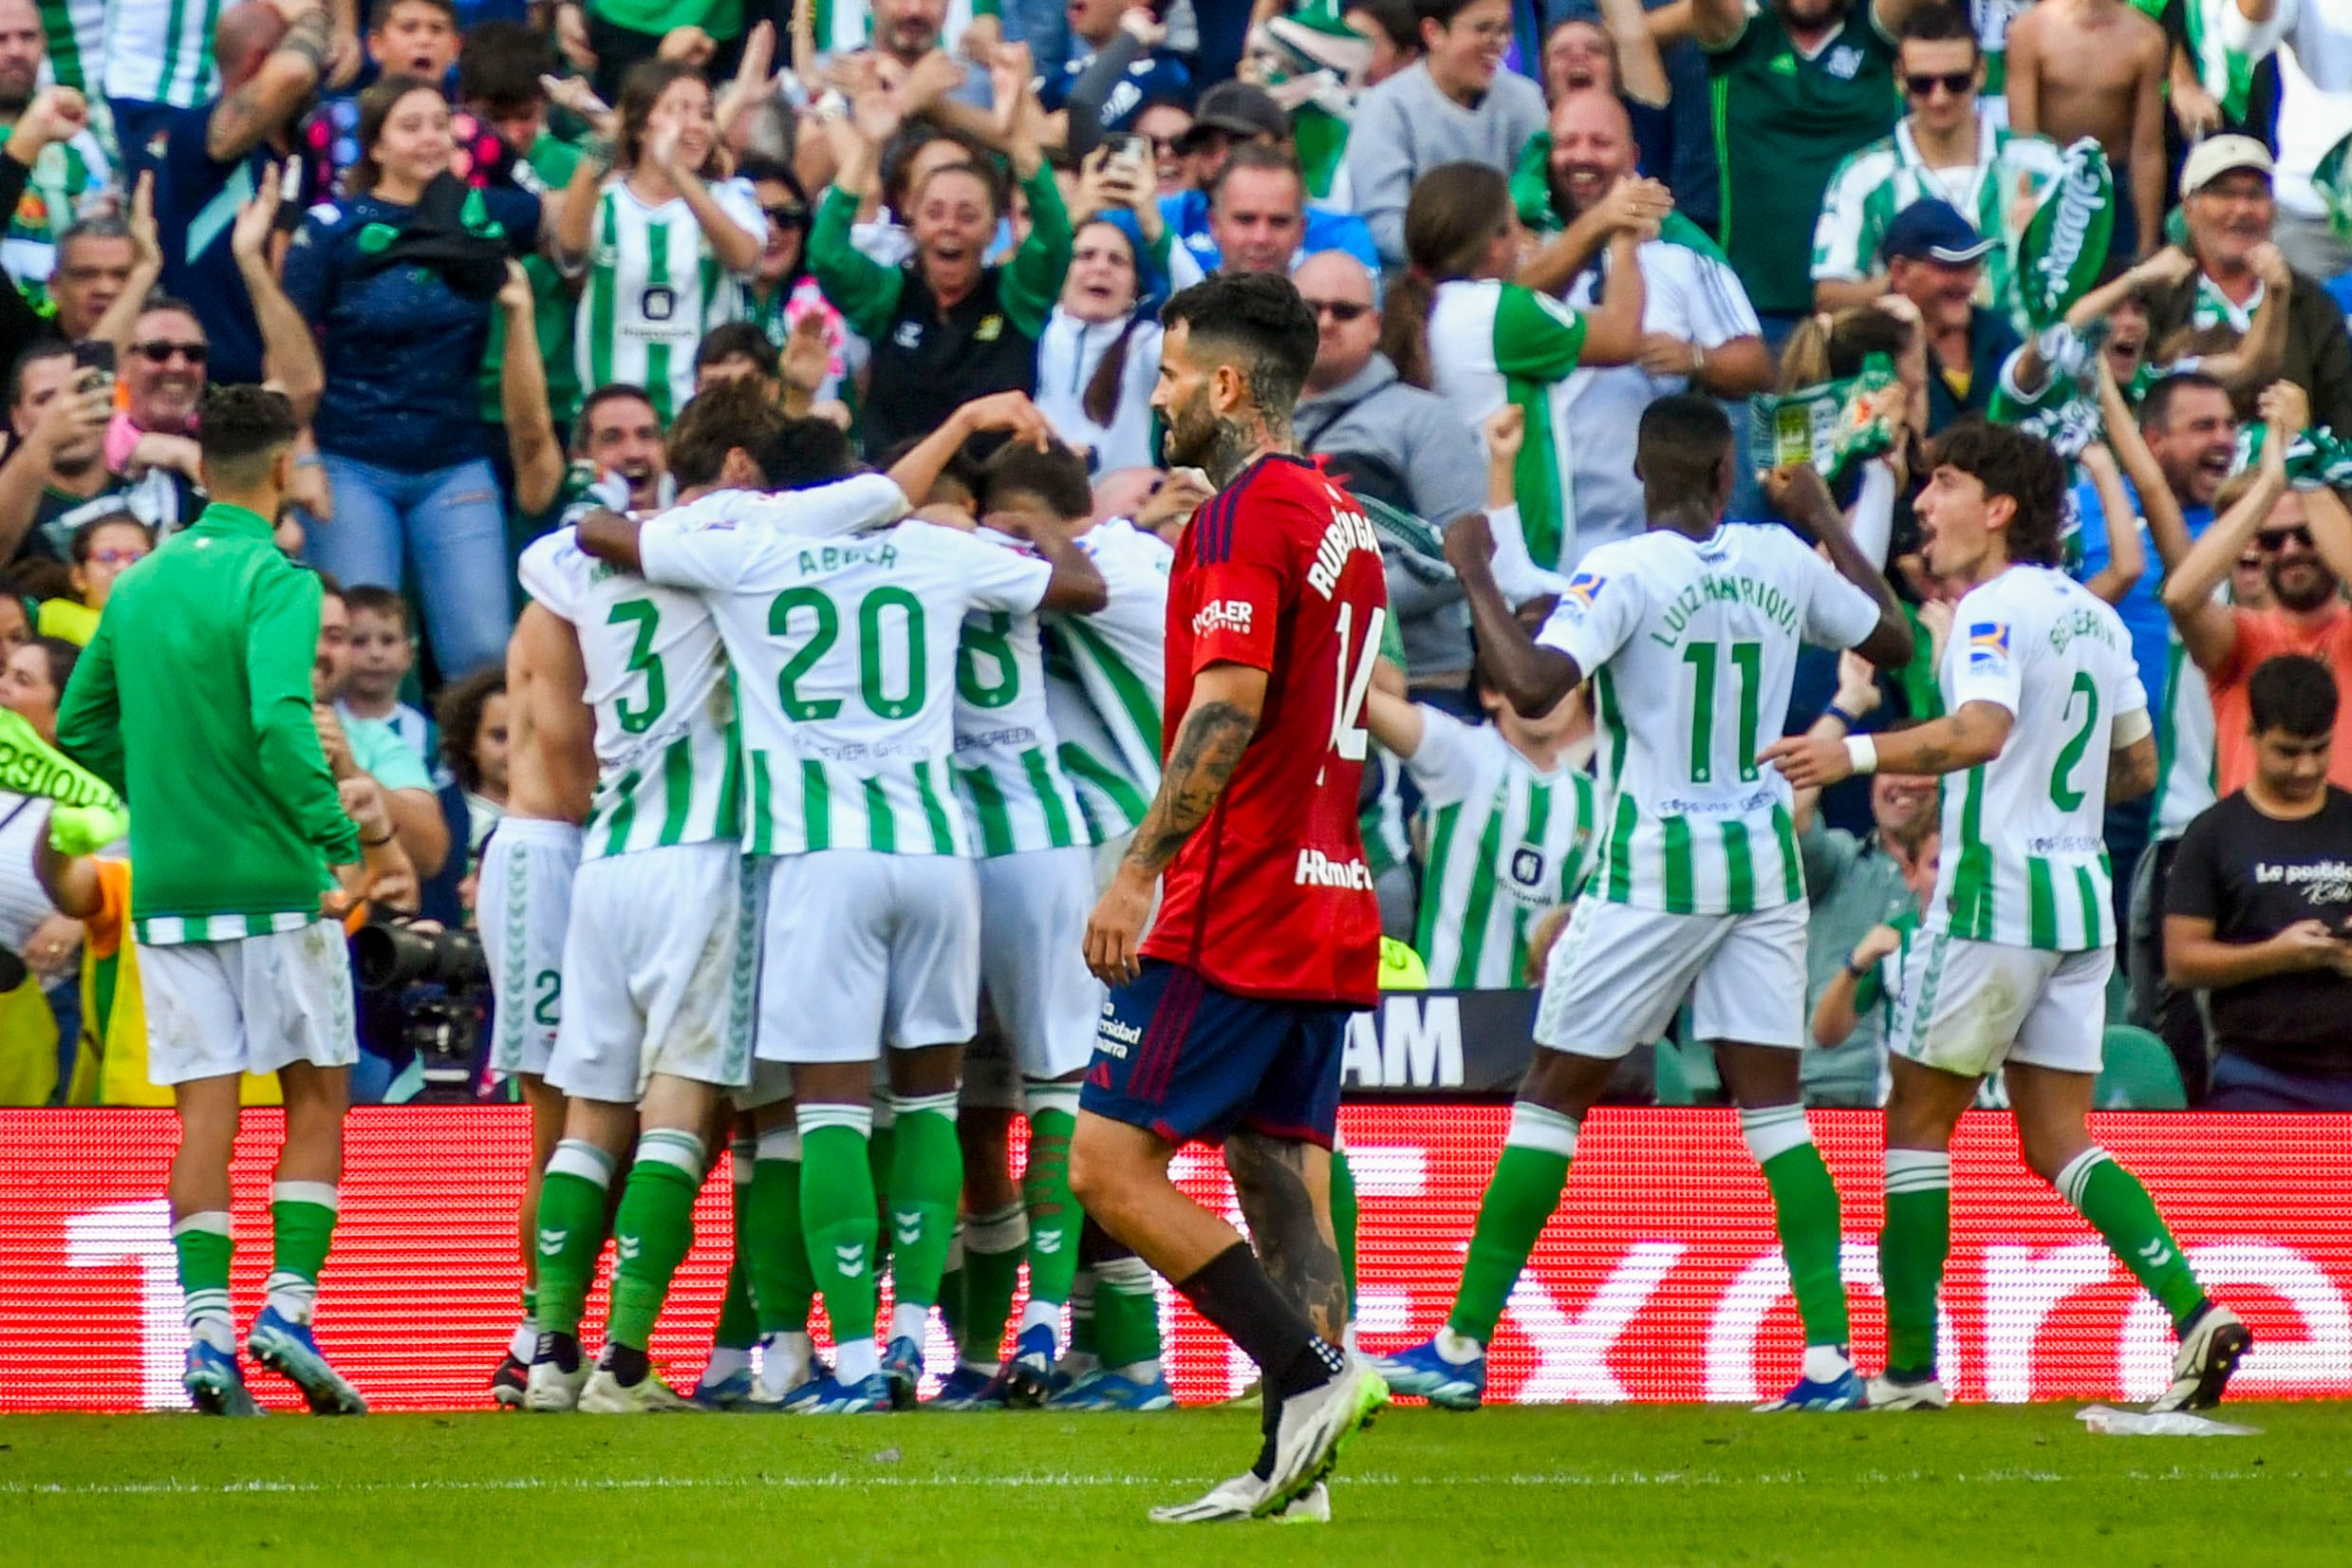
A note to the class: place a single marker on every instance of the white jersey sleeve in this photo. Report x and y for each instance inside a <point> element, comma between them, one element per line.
<point>999,576</point>
<point>1446,766</point>
<point>1984,661</point>
<point>1598,612</point>
<point>740,202</point>
<point>540,570</point>
<point>1837,614</point>
<point>677,551</point>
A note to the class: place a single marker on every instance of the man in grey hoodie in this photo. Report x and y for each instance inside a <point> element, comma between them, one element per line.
<point>1395,444</point>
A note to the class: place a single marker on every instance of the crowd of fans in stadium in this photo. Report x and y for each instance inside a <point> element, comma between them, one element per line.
<point>489,249</point>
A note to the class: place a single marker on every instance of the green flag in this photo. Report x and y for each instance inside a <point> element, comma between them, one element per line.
<point>1833,425</point>
<point>2315,459</point>
<point>2065,412</point>
<point>88,814</point>
<point>2328,178</point>
<point>2065,242</point>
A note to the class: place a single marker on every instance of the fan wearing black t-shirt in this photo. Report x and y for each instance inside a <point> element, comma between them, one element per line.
<point>2259,908</point>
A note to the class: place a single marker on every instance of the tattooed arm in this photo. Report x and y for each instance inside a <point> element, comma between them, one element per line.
<point>2131,770</point>
<point>1217,728</point>
<point>1954,743</point>
<point>244,118</point>
<point>1284,1190</point>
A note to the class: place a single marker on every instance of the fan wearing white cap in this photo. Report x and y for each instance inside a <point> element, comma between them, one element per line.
<point>2225,199</point>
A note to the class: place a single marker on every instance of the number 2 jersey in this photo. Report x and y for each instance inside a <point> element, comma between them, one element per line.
<point>1271,896</point>
<point>657,680</point>
<point>1691,646</point>
<point>2024,857</point>
<point>844,645</point>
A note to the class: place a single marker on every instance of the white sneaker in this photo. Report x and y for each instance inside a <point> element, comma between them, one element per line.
<point>551,1390</point>
<point>2207,1357</point>
<point>1312,1506</point>
<point>786,1365</point>
<point>605,1394</point>
<point>1314,1426</point>
<point>1887,1393</point>
<point>1227,1500</point>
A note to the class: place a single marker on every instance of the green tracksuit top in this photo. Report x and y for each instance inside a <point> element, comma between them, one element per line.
<point>193,700</point>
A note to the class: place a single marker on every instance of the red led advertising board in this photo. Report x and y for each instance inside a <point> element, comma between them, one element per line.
<point>1658,1280</point>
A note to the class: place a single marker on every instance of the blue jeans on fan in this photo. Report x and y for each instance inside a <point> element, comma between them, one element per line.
<point>450,525</point>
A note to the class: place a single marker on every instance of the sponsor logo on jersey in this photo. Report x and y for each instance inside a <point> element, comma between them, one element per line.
<point>1580,589</point>
<point>1318,870</point>
<point>1348,530</point>
<point>1988,644</point>
<point>1233,615</point>
<point>1843,62</point>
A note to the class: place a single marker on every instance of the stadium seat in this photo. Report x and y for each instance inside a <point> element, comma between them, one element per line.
<point>2137,1074</point>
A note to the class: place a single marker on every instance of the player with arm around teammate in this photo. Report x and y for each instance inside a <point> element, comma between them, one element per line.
<point>840,619</point>
<point>2045,723</point>
<point>1689,635</point>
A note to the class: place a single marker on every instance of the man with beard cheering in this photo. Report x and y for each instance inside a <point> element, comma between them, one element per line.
<point>1225,1023</point>
<point>1698,333</point>
<point>2304,537</point>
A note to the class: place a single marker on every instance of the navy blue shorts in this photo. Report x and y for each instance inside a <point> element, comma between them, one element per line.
<point>1178,1057</point>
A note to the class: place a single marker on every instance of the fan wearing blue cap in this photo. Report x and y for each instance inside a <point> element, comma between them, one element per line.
<point>1935,259</point>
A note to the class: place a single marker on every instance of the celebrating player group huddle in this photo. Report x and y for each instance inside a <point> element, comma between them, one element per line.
<point>798,778</point>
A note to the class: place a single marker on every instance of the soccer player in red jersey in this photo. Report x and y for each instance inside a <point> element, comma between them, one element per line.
<point>1225,1023</point>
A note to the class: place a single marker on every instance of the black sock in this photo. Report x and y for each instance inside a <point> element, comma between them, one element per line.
<point>626,1363</point>
<point>562,1349</point>
<point>1231,1289</point>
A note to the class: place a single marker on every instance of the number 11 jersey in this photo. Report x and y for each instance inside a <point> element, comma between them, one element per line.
<point>1691,645</point>
<point>1271,897</point>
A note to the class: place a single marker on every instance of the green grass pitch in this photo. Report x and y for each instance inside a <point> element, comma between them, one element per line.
<point>2026,1487</point>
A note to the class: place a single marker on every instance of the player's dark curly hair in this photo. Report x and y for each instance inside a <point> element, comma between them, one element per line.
<point>1258,321</point>
<point>243,427</point>
<point>2292,692</point>
<point>459,712</point>
<point>2026,469</point>
<point>720,417</point>
<point>1056,476</point>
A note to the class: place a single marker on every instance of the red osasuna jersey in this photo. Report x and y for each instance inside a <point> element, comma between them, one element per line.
<point>1271,896</point>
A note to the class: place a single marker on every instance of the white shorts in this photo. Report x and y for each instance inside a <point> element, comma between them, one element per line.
<point>770,1082</point>
<point>522,905</point>
<point>1968,1007</point>
<point>253,1004</point>
<point>1033,957</point>
<point>659,973</point>
<point>862,950</point>
<point>1617,974</point>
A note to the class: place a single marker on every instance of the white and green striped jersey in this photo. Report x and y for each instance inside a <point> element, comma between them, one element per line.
<point>845,652</point>
<point>64,175</point>
<point>2025,861</point>
<point>1008,775</point>
<point>1505,843</point>
<point>77,34</point>
<point>654,286</point>
<point>1107,675</point>
<point>1691,646</point>
<point>2188,778</point>
<point>1493,342</point>
<point>161,51</point>
<point>666,768</point>
<point>1872,185</point>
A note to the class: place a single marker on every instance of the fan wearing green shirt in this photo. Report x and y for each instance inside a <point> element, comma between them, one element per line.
<point>1798,85</point>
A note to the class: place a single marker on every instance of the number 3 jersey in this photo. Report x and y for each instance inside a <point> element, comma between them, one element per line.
<point>1692,647</point>
<point>1270,896</point>
<point>843,645</point>
<point>657,680</point>
<point>2025,857</point>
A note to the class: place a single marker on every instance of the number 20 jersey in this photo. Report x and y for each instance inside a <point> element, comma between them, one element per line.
<point>1271,896</point>
<point>666,769</point>
<point>1691,647</point>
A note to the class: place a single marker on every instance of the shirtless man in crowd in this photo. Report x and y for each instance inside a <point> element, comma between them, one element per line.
<point>2095,67</point>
